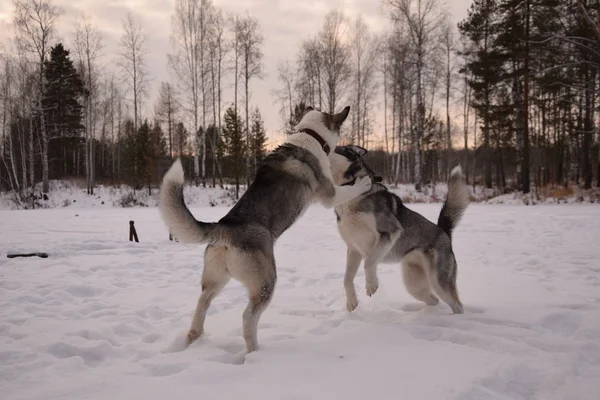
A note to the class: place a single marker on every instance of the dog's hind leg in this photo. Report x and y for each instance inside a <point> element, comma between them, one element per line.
<point>214,278</point>
<point>443,281</point>
<point>416,283</point>
<point>256,270</point>
<point>353,259</point>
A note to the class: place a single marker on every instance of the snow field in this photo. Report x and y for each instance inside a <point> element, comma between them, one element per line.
<point>106,318</point>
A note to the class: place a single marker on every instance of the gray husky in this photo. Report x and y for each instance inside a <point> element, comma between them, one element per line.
<point>240,245</point>
<point>379,228</point>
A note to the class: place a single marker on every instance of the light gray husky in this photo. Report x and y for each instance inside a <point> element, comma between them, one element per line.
<point>379,228</point>
<point>240,245</point>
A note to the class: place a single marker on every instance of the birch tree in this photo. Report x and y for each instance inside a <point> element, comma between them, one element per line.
<point>35,24</point>
<point>309,86</point>
<point>218,49</point>
<point>132,60</point>
<point>249,40</point>
<point>448,48</point>
<point>88,45</point>
<point>335,60</point>
<point>187,38</point>
<point>422,19</point>
<point>365,50</point>
<point>285,95</point>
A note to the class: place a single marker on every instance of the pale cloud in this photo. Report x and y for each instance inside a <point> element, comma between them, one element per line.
<point>285,23</point>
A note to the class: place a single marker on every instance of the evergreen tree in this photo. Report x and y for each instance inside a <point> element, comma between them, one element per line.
<point>258,140</point>
<point>180,139</point>
<point>154,148</point>
<point>234,145</point>
<point>132,153</point>
<point>484,63</point>
<point>61,105</point>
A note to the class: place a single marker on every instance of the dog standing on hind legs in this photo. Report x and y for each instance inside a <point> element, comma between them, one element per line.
<point>377,227</point>
<point>240,245</point>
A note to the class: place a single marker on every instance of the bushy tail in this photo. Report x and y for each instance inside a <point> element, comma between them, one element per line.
<point>177,216</point>
<point>456,202</point>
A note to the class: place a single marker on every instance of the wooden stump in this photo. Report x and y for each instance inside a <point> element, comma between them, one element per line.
<point>132,232</point>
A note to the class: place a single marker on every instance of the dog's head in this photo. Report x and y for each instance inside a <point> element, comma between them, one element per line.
<point>347,165</point>
<point>325,125</point>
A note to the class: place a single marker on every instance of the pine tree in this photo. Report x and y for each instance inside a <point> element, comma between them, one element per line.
<point>484,64</point>
<point>61,105</point>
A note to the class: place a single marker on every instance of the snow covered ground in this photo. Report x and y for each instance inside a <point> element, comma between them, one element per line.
<point>104,318</point>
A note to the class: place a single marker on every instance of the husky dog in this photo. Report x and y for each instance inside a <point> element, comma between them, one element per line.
<point>240,245</point>
<point>378,228</point>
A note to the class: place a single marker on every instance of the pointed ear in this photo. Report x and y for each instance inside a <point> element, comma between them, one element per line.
<point>309,108</point>
<point>361,151</point>
<point>339,118</point>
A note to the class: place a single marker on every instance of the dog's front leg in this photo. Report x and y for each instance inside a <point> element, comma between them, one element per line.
<point>382,246</point>
<point>353,259</point>
<point>342,194</point>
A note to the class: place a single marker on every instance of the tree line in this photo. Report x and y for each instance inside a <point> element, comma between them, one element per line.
<point>510,93</point>
<point>67,114</point>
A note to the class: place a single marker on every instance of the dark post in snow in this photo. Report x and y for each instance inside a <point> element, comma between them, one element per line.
<point>132,232</point>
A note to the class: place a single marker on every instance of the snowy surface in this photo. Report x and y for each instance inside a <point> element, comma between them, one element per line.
<point>104,318</point>
<point>67,194</point>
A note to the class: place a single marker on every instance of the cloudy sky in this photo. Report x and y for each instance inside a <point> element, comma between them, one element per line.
<point>285,24</point>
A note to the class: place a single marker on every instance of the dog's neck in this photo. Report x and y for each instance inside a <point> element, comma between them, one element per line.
<point>318,138</point>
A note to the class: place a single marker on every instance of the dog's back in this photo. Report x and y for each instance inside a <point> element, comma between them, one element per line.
<point>283,188</point>
<point>385,214</point>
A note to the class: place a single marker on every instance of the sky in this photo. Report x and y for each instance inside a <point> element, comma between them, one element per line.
<point>285,24</point>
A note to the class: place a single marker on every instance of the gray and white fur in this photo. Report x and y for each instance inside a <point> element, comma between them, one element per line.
<point>377,227</point>
<point>240,245</point>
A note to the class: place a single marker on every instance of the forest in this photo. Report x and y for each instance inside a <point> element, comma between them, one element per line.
<point>510,93</point>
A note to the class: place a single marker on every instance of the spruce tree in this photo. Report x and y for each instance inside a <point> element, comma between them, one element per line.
<point>234,145</point>
<point>258,140</point>
<point>61,105</point>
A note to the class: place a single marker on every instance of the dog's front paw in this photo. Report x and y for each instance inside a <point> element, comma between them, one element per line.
<point>363,184</point>
<point>372,287</point>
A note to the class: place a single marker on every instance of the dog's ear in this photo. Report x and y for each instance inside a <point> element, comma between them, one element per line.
<point>335,121</point>
<point>361,151</point>
<point>309,108</point>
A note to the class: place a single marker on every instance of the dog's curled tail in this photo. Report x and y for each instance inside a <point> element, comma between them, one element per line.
<point>456,202</point>
<point>178,218</point>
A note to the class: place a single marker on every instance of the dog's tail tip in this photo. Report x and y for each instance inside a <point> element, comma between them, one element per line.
<point>456,172</point>
<point>456,202</point>
<point>175,174</point>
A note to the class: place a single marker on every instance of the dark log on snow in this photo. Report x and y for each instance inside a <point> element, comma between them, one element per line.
<point>14,255</point>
